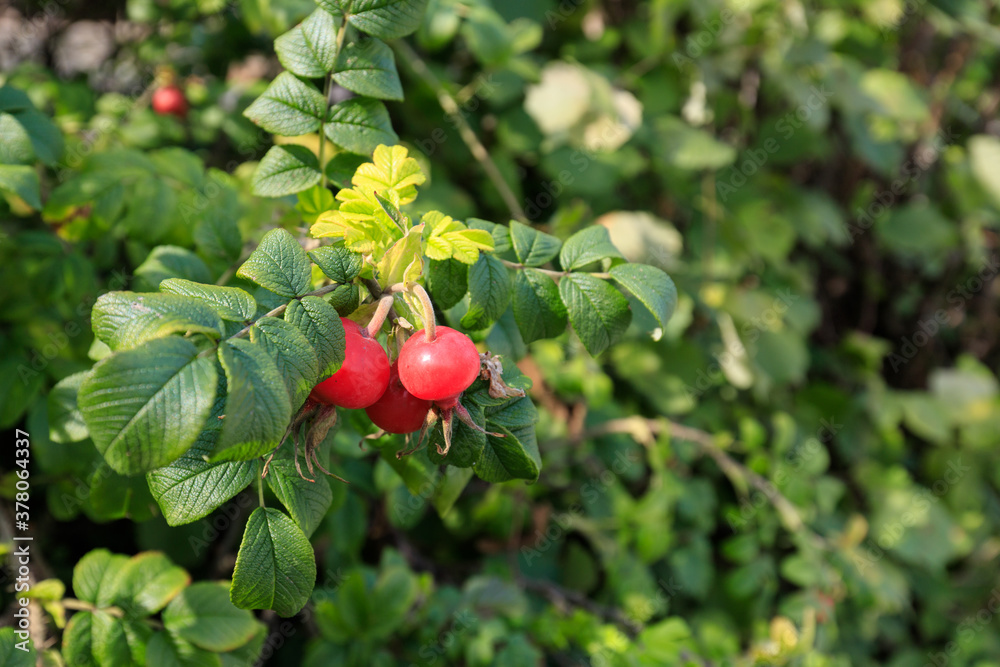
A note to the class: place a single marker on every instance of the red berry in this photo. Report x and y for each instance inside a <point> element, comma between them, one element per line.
<point>398,411</point>
<point>364,375</point>
<point>170,100</point>
<point>439,370</point>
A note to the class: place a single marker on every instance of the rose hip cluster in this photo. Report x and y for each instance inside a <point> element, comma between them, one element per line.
<point>425,382</point>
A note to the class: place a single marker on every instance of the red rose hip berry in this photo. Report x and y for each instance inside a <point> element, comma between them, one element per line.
<point>170,100</point>
<point>398,411</point>
<point>363,377</point>
<point>441,369</point>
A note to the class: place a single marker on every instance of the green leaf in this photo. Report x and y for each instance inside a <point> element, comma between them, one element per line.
<point>586,247</point>
<point>651,286</point>
<point>279,264</point>
<point>447,238</point>
<point>533,248</point>
<point>306,501</point>
<point>984,154</point>
<point>502,246</point>
<point>65,421</point>
<point>289,106</point>
<point>152,209</point>
<point>448,282</point>
<point>489,292</point>
<point>191,487</point>
<point>391,168</point>
<point>10,655</point>
<point>360,125</point>
<point>166,262</point>
<point>538,309</point>
<point>310,48</point>
<point>292,353</point>
<point>275,567</point>
<point>168,650</point>
<point>46,139</point>
<point>96,577</point>
<point>148,582</point>
<point>403,261</point>
<point>286,170</point>
<point>321,324</point>
<point>684,147</point>
<point>385,19</point>
<point>337,262</point>
<point>145,407</point>
<point>203,615</point>
<point>466,442</point>
<point>450,488</point>
<point>314,201</point>
<point>108,642</point>
<point>125,320</point>
<point>231,303</point>
<point>22,181</point>
<point>257,405</point>
<point>367,67</point>
<point>341,167</point>
<point>508,457</point>
<point>599,313</point>
<point>77,648</point>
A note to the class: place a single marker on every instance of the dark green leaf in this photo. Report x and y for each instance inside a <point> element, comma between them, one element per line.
<point>586,247</point>
<point>489,292</point>
<point>124,320</point>
<point>275,567</point>
<point>286,170</point>
<point>359,125</point>
<point>385,19</point>
<point>508,457</point>
<point>22,181</point>
<point>338,263</point>
<point>533,248</point>
<point>203,615</point>
<point>466,443</point>
<point>289,106</point>
<point>599,313</point>
<point>448,281</point>
<point>306,501</point>
<point>257,405</point>
<point>167,261</point>
<point>367,67</point>
<point>279,264</point>
<point>145,407</point>
<point>538,309</point>
<point>310,48</point>
<point>231,303</point>
<point>292,353</point>
<point>165,649</point>
<point>321,324</point>
<point>651,286</point>
<point>10,655</point>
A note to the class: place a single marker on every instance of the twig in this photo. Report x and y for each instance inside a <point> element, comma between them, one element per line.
<point>550,272</point>
<point>450,107</point>
<point>280,309</point>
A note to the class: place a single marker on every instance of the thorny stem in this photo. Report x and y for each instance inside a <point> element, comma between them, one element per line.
<point>378,319</point>
<point>450,106</point>
<point>549,272</point>
<point>428,308</point>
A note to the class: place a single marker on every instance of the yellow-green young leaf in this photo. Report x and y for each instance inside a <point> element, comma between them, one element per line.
<point>651,286</point>
<point>359,125</point>
<point>361,220</point>
<point>367,67</point>
<point>289,106</point>
<point>65,421</point>
<point>204,616</point>
<point>448,281</point>
<point>292,353</point>
<point>125,320</point>
<point>586,247</point>
<point>391,169</point>
<point>403,261</point>
<point>599,313</point>
<point>468,243</point>
<point>321,325</point>
<point>489,292</point>
<point>231,303</point>
<point>310,48</point>
<point>279,264</point>
<point>338,263</point>
<point>385,19</point>
<point>447,238</point>
<point>145,407</point>
<point>148,582</point>
<point>538,310</point>
<point>306,501</point>
<point>96,577</point>
<point>168,650</point>
<point>257,405</point>
<point>502,246</point>
<point>275,567</point>
<point>285,170</point>
<point>533,248</point>
<point>314,201</point>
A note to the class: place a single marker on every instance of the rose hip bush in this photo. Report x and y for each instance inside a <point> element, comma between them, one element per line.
<point>346,332</point>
